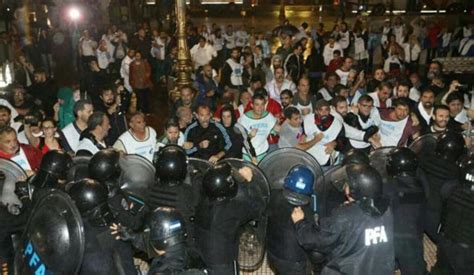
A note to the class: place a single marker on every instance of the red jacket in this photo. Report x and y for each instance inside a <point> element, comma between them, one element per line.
<point>33,156</point>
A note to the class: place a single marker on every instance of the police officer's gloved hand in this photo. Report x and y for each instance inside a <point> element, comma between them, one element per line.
<point>21,190</point>
<point>369,132</point>
<point>121,232</point>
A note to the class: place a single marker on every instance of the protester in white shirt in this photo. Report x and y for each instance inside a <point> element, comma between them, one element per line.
<point>202,53</point>
<point>328,52</point>
<point>125,69</point>
<point>278,84</point>
<point>139,139</point>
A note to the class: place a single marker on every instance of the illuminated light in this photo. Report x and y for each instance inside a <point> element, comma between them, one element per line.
<point>74,13</point>
<point>320,8</point>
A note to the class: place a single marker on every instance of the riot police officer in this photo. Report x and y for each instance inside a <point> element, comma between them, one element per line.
<point>284,254</point>
<point>104,167</point>
<point>408,205</point>
<point>174,187</point>
<point>355,156</point>
<point>53,170</point>
<point>455,254</point>
<point>227,204</point>
<point>358,237</point>
<point>438,170</point>
<point>103,254</point>
<point>164,240</point>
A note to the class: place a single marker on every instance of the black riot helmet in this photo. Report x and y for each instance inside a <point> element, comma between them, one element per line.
<point>171,165</point>
<point>402,161</point>
<point>90,198</point>
<point>56,163</point>
<point>104,166</point>
<point>466,173</point>
<point>450,146</point>
<point>355,156</point>
<point>218,182</point>
<point>53,168</point>
<point>364,181</point>
<point>166,227</point>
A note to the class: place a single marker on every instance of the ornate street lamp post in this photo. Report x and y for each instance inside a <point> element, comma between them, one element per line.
<point>183,66</point>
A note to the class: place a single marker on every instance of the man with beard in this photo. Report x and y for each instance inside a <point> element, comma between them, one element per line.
<point>278,84</point>
<point>395,124</point>
<point>140,139</point>
<point>115,111</point>
<point>286,98</point>
<point>187,100</point>
<point>434,70</point>
<point>327,91</point>
<point>439,121</point>
<point>379,76</point>
<point>209,138</point>
<point>92,139</point>
<point>208,89</point>
<point>424,110</point>
<point>44,91</point>
<point>381,96</point>
<point>71,134</point>
<point>6,119</point>
<point>326,149</point>
<point>232,71</point>
<point>402,90</point>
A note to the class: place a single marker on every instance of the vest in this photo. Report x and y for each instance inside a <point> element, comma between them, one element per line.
<point>237,70</point>
<point>311,130</point>
<point>145,148</point>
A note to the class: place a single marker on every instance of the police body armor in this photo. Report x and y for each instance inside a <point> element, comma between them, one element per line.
<point>53,241</point>
<point>457,221</point>
<point>253,234</point>
<point>79,169</point>
<point>183,196</point>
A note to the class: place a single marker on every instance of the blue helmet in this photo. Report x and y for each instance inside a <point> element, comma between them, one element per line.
<point>298,185</point>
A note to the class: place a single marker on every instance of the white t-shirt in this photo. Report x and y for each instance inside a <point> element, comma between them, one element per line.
<point>264,127</point>
<point>87,47</point>
<point>318,150</point>
<point>72,134</point>
<point>202,55</point>
<point>274,92</point>
<point>145,148</point>
<point>229,40</point>
<point>343,75</point>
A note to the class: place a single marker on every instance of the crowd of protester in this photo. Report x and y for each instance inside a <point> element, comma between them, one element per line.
<point>320,91</point>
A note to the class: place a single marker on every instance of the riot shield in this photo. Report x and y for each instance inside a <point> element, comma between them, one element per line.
<point>53,241</point>
<point>252,236</point>
<point>137,176</point>
<point>278,163</point>
<point>424,145</point>
<point>11,174</point>
<point>79,169</point>
<point>196,165</point>
<point>328,197</point>
<point>378,160</point>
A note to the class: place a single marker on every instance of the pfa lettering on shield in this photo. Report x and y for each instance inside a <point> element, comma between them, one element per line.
<point>34,262</point>
<point>375,235</point>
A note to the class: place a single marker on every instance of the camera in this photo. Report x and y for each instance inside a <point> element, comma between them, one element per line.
<point>31,120</point>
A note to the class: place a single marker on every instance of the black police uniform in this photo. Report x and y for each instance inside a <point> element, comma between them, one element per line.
<point>284,253</point>
<point>436,174</point>
<point>355,242</point>
<point>408,204</point>
<point>131,218</point>
<point>217,226</point>
<point>104,254</point>
<point>456,244</point>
